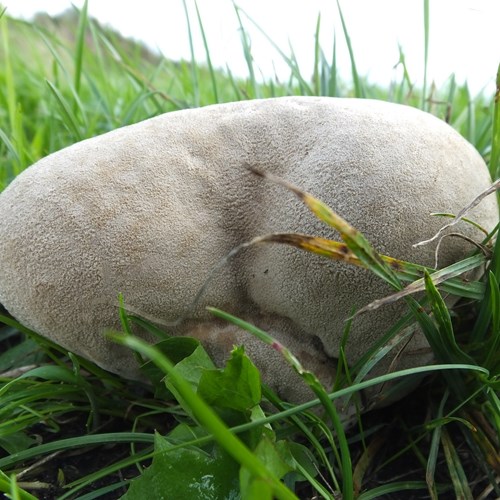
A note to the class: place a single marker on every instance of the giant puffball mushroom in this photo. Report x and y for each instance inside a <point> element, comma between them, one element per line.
<point>147,211</point>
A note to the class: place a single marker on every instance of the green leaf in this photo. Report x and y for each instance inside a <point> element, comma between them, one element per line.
<point>237,386</point>
<point>258,488</point>
<point>16,442</point>
<point>191,369</point>
<point>175,349</point>
<point>305,458</point>
<point>186,473</point>
<point>22,354</point>
<point>278,459</point>
<point>183,433</point>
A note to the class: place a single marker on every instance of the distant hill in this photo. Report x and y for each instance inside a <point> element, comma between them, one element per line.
<point>65,26</point>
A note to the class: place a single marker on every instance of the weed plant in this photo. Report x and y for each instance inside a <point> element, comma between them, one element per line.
<point>71,430</point>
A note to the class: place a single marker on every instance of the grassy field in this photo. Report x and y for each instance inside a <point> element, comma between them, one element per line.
<point>71,430</point>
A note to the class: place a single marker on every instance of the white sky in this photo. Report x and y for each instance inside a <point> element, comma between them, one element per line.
<point>464,36</point>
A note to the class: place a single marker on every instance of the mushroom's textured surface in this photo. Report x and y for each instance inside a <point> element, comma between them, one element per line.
<point>147,210</point>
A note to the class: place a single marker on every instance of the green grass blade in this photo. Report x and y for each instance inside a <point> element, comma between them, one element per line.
<point>448,350</point>
<point>332,84</point>
<point>10,87</point>
<point>381,491</point>
<point>238,95</point>
<point>80,45</point>
<point>310,435</point>
<point>424,104</point>
<point>432,458</point>
<point>9,486</point>
<point>12,150</point>
<point>317,55</point>
<point>471,119</point>
<point>358,88</point>
<point>194,67</point>
<point>406,86</point>
<point>451,98</point>
<point>247,53</point>
<point>207,54</point>
<point>69,443</point>
<point>483,319</point>
<point>495,140</point>
<point>104,491</point>
<point>68,116</point>
<point>58,60</point>
<point>368,362</point>
<point>493,346</point>
<point>13,109</point>
<point>376,350</point>
<point>457,473</point>
<point>495,302</point>
<point>291,61</point>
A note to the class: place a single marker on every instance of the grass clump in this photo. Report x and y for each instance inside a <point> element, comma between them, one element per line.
<point>71,430</point>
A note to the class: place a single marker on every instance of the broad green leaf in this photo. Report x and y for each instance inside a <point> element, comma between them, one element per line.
<point>175,349</point>
<point>191,368</point>
<point>237,386</point>
<point>16,442</point>
<point>184,433</point>
<point>186,473</point>
<point>278,459</point>
<point>22,354</point>
<point>257,488</point>
<point>304,457</point>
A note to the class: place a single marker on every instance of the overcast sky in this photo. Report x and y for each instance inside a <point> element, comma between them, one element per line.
<point>464,37</point>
